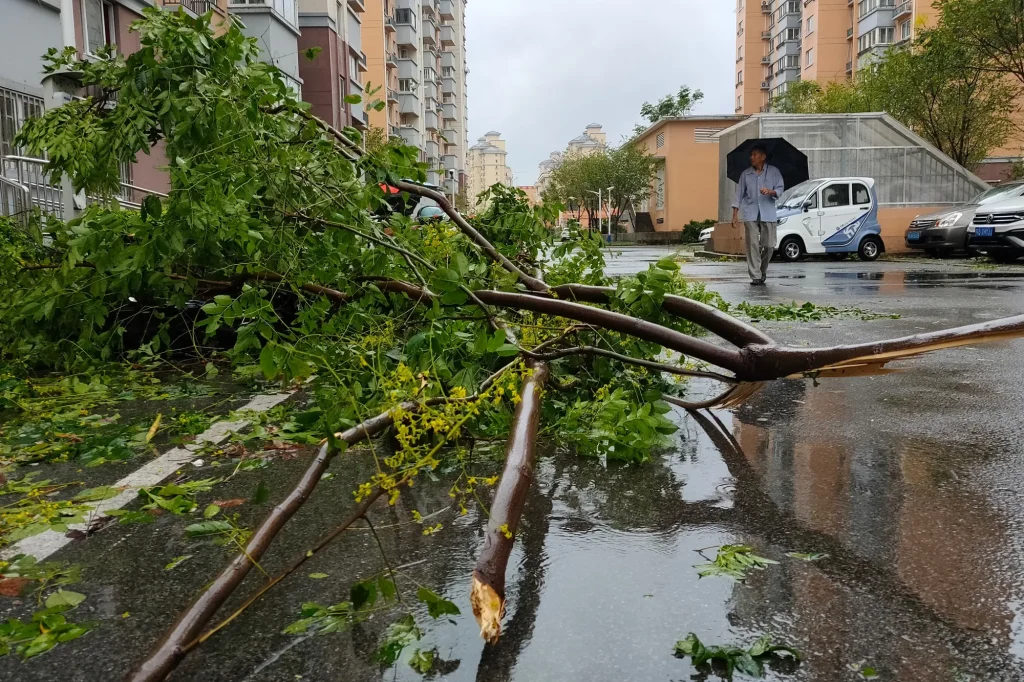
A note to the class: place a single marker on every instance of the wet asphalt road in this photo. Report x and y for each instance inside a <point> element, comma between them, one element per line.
<point>912,483</point>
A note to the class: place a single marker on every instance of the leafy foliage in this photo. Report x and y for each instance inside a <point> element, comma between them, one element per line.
<point>990,28</point>
<point>805,312</point>
<point>733,561</point>
<point>749,661</point>
<point>679,104</point>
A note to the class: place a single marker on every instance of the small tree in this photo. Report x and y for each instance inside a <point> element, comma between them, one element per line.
<point>680,104</point>
<point>992,29</point>
<point>629,169</point>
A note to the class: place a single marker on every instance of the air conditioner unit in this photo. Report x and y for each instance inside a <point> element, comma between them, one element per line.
<point>766,6</point>
<point>764,85</point>
<point>766,60</point>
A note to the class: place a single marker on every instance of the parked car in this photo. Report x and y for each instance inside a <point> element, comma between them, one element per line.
<point>945,232</point>
<point>998,230</point>
<point>834,216</point>
<point>705,234</point>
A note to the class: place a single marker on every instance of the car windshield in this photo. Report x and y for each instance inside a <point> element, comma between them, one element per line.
<point>794,196</point>
<point>998,194</point>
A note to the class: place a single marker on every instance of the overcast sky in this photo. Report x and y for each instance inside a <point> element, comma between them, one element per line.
<point>541,70</point>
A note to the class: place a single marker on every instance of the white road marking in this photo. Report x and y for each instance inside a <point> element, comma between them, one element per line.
<point>150,474</point>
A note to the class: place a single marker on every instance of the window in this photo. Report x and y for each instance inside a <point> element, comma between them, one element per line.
<point>407,85</point>
<point>835,196</point>
<point>659,141</point>
<point>739,53</point>
<point>861,195</point>
<point>739,77</point>
<point>405,16</point>
<point>659,190</point>
<point>905,30</point>
<point>811,202</point>
<point>810,57</point>
<point>448,71</point>
<point>739,102</point>
<point>792,61</point>
<point>886,35</point>
<point>98,26</point>
<point>739,29</point>
<point>810,25</point>
<point>404,53</point>
<point>868,6</point>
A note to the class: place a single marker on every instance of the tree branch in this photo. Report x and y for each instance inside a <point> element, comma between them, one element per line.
<point>656,366</point>
<point>487,593</point>
<point>530,282</point>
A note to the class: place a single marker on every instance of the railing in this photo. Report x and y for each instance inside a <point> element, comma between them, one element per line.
<point>25,184</point>
<point>197,7</point>
<point>903,8</point>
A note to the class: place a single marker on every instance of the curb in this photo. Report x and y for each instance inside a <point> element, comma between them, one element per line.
<point>719,256</point>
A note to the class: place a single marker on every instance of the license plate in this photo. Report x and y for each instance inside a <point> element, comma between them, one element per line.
<point>913,236</point>
<point>984,231</point>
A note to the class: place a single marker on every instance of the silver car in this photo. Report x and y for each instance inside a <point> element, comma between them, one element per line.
<point>945,232</point>
<point>998,230</point>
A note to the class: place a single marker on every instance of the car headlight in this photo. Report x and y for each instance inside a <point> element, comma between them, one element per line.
<point>949,220</point>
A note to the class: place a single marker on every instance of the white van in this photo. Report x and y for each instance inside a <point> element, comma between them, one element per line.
<point>834,216</point>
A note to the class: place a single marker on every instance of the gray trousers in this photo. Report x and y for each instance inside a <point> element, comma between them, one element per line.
<point>760,238</point>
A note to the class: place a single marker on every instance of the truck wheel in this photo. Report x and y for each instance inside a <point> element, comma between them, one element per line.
<point>791,249</point>
<point>870,249</point>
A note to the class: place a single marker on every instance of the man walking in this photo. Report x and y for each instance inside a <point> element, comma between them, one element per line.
<point>759,187</point>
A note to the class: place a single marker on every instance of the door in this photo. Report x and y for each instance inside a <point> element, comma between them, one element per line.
<point>836,210</point>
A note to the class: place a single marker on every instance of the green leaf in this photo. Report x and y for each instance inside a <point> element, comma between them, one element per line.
<point>177,561</point>
<point>436,606</point>
<point>363,594</point>
<point>310,53</point>
<point>444,280</point>
<point>507,350</point>
<point>318,576</point>
<point>422,661</point>
<point>207,528</point>
<point>104,492</point>
<point>64,598</point>
<point>152,208</point>
<point>262,493</point>
<point>386,587</point>
<point>353,99</point>
<point>211,511</point>
<point>268,363</point>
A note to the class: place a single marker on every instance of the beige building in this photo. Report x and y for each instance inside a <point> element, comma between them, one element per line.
<point>487,166</point>
<point>781,42</point>
<point>593,140</point>
<point>416,53</point>
<point>686,187</point>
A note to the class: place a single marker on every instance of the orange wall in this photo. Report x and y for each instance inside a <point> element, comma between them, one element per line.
<point>374,41</point>
<point>754,48</point>
<point>691,173</point>
<point>828,40</point>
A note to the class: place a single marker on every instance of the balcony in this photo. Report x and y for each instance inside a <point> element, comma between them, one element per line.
<point>389,24</point>
<point>392,60</point>
<point>432,149</point>
<point>451,135</point>
<point>429,89</point>
<point>361,62</point>
<point>409,104</point>
<point>448,59</point>
<point>429,29</point>
<point>450,161</point>
<point>448,36</point>
<point>446,9</point>
<point>411,136</point>
<point>431,121</point>
<point>357,5</point>
<point>450,112</point>
<point>408,68</point>
<point>447,86</point>
<point>197,7</point>
<point>394,131</point>
<point>904,9</point>
<point>392,96</point>
<point>407,35</point>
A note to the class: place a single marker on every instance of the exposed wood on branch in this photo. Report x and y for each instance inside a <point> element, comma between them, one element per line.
<point>656,366</point>
<point>487,593</point>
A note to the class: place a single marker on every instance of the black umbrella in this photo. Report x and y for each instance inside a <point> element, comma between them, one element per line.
<point>790,161</point>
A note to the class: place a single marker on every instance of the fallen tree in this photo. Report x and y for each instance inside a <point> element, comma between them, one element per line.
<point>441,329</point>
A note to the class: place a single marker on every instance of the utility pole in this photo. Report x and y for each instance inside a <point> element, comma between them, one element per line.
<point>610,210</point>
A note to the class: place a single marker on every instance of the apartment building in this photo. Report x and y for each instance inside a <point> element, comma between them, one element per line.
<point>780,42</point>
<point>416,54</point>
<point>592,140</point>
<point>487,165</point>
<point>336,71</point>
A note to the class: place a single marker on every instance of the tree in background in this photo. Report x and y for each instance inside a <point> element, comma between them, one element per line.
<point>629,169</point>
<point>680,104</point>
<point>993,29</point>
<point>937,88</point>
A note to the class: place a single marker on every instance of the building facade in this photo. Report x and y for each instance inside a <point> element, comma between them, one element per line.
<point>487,165</point>
<point>686,186</point>
<point>416,53</point>
<point>781,42</point>
<point>593,140</point>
